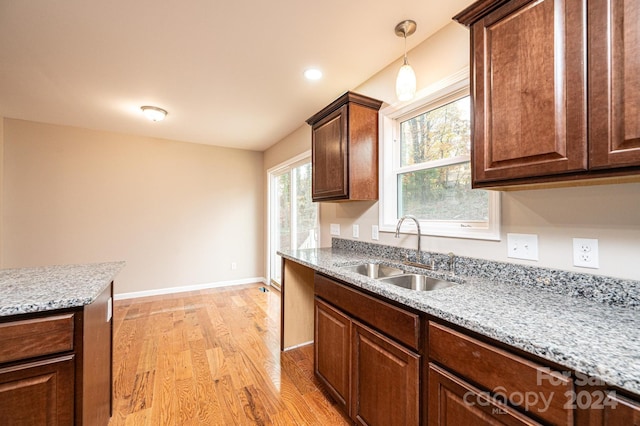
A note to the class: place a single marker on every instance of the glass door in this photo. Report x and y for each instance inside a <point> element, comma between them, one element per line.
<point>293,216</point>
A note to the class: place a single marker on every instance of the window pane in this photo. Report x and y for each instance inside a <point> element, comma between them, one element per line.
<point>307,211</point>
<point>442,193</point>
<point>443,132</point>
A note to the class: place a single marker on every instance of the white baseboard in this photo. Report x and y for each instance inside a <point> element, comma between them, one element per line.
<point>298,346</point>
<point>170,290</point>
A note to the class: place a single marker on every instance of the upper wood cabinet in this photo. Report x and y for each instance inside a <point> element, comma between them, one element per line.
<point>535,117</point>
<point>344,146</point>
<point>614,83</point>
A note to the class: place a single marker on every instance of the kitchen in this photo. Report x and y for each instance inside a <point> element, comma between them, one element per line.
<point>74,195</point>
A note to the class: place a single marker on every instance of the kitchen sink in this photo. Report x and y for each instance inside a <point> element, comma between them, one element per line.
<point>418,282</point>
<point>374,270</point>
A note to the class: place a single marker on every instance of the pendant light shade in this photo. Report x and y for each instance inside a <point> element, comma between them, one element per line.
<point>406,79</point>
<point>406,82</point>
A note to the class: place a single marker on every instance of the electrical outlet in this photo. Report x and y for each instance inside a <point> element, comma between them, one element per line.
<point>522,246</point>
<point>334,229</point>
<point>375,234</point>
<point>585,253</point>
<point>356,231</point>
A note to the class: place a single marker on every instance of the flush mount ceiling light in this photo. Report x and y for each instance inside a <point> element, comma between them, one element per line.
<point>313,74</point>
<point>406,80</point>
<point>153,113</point>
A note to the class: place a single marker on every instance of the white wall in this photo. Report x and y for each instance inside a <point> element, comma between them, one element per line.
<point>177,213</point>
<point>610,213</point>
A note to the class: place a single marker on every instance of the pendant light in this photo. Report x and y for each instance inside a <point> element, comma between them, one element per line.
<point>406,80</point>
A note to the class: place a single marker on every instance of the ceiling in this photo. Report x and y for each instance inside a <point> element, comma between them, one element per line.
<point>230,73</point>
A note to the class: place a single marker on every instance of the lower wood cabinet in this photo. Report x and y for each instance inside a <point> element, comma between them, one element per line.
<point>609,409</point>
<point>55,366</point>
<point>371,374</point>
<point>38,393</point>
<point>385,375</point>
<point>543,394</point>
<point>454,402</point>
<point>333,352</point>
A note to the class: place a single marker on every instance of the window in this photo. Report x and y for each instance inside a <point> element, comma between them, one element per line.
<point>427,169</point>
<point>293,217</point>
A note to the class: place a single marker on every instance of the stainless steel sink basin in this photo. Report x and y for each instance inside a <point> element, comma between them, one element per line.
<point>374,270</point>
<point>418,282</point>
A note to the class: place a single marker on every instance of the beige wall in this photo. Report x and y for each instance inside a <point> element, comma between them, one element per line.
<point>177,213</point>
<point>610,213</point>
<point>1,179</point>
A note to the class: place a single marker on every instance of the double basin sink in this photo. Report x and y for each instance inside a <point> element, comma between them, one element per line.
<point>398,277</point>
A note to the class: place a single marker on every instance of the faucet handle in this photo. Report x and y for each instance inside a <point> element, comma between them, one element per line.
<point>452,260</point>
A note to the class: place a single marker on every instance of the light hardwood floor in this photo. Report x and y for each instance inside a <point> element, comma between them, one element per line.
<point>212,357</point>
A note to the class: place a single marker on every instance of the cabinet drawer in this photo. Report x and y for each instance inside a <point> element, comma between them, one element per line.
<point>36,337</point>
<point>402,325</point>
<point>540,391</point>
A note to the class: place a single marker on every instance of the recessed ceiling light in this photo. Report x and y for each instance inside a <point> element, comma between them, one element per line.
<point>153,113</point>
<point>313,74</point>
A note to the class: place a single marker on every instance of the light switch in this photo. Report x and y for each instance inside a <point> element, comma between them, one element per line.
<point>522,246</point>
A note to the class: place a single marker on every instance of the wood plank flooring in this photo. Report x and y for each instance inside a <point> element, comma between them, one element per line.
<point>212,357</point>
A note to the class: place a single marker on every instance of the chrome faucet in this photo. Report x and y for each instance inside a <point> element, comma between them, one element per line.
<point>418,252</point>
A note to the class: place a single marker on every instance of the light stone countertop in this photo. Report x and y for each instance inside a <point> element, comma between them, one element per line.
<point>593,338</point>
<point>46,288</point>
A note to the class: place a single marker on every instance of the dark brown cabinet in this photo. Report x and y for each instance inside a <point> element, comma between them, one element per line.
<point>55,367</point>
<point>368,371</point>
<point>344,147</point>
<point>454,402</point>
<point>543,394</point>
<point>614,83</point>
<point>619,411</point>
<point>333,352</point>
<point>608,409</point>
<point>38,393</point>
<point>385,379</point>
<point>535,117</point>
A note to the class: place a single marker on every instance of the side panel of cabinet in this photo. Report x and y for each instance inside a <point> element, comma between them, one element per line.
<point>38,393</point>
<point>529,90</point>
<point>385,380</point>
<point>363,152</point>
<point>332,351</point>
<point>614,83</point>
<point>453,402</point>
<point>329,153</point>
<point>96,361</point>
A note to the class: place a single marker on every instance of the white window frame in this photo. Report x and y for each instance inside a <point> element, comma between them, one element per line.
<point>272,173</point>
<point>441,93</point>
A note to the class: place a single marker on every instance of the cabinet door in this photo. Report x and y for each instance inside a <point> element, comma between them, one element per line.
<point>454,402</point>
<point>614,410</point>
<point>529,96</point>
<point>332,351</point>
<point>38,393</point>
<point>329,152</point>
<point>614,83</point>
<point>385,379</point>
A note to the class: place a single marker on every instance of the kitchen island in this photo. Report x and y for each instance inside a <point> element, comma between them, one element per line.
<point>56,344</point>
<point>584,326</point>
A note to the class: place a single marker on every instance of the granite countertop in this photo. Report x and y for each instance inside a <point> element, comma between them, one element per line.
<point>27,290</point>
<point>587,336</point>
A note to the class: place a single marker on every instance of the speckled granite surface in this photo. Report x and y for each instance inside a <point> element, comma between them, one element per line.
<point>598,339</point>
<point>26,290</point>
